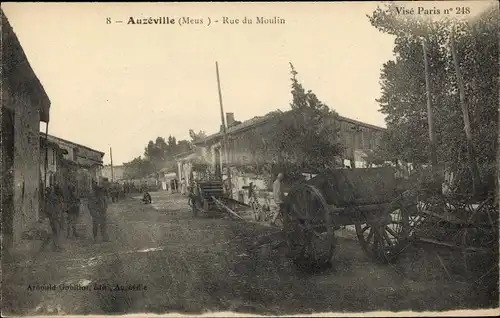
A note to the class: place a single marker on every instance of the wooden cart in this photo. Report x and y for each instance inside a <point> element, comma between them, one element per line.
<point>202,194</point>
<point>209,196</point>
<point>365,198</point>
<point>387,214</point>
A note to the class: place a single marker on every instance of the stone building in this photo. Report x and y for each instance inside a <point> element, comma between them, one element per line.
<point>187,163</point>
<point>357,138</point>
<point>69,162</point>
<point>117,174</point>
<point>24,105</point>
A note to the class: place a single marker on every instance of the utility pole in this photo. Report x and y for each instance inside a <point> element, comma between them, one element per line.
<point>111,157</point>
<point>430,118</point>
<point>476,176</point>
<point>226,154</point>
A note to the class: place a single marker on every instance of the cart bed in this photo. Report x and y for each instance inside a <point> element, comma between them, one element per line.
<point>357,187</point>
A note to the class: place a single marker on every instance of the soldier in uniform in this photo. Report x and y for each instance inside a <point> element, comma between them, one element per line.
<point>146,198</point>
<point>183,186</point>
<point>73,211</point>
<point>279,197</point>
<point>98,209</point>
<point>53,210</point>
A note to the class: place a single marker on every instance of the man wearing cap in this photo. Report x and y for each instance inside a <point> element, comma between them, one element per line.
<point>279,197</point>
<point>98,208</point>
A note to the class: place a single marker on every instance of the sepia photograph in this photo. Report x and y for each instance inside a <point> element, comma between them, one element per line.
<point>250,159</point>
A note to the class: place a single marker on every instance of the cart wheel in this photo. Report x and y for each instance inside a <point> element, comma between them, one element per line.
<point>481,234</point>
<point>308,227</point>
<point>483,225</point>
<point>424,207</point>
<point>384,235</point>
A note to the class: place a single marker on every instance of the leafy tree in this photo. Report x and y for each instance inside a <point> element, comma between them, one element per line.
<point>403,99</point>
<point>196,136</point>
<point>158,155</point>
<point>162,153</point>
<point>171,148</point>
<point>138,168</point>
<point>183,146</point>
<point>302,139</point>
<point>155,152</point>
<point>302,99</point>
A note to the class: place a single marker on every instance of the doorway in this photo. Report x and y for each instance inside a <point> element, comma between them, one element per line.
<point>218,168</point>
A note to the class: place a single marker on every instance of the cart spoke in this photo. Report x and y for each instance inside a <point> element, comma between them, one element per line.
<point>386,237</point>
<point>391,231</point>
<point>296,209</point>
<point>306,224</point>
<point>316,214</point>
<point>370,234</point>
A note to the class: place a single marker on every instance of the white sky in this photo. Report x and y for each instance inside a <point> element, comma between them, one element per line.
<point>122,85</point>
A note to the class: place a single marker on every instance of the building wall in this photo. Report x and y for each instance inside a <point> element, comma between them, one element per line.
<point>354,136</point>
<point>24,96</point>
<point>51,164</point>
<point>7,136</point>
<point>242,145</point>
<point>89,160</point>
<point>26,163</point>
<point>84,177</point>
<point>118,172</point>
<point>77,153</point>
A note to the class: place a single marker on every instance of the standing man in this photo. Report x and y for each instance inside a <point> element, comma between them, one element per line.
<point>183,186</point>
<point>279,197</point>
<point>73,211</point>
<point>176,185</point>
<point>53,210</point>
<point>98,208</point>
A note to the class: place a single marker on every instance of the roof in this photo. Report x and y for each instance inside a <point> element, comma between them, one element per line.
<point>18,72</point>
<point>53,143</point>
<point>56,139</point>
<point>260,120</point>
<point>184,154</point>
<point>170,175</point>
<point>360,123</point>
<point>254,122</point>
<point>114,166</point>
<point>194,158</point>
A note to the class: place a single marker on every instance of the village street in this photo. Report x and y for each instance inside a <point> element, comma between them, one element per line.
<point>178,263</point>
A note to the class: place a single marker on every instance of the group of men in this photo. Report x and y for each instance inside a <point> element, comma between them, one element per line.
<point>59,205</point>
<point>175,186</point>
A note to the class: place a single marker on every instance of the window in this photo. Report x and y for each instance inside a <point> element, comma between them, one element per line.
<point>366,139</point>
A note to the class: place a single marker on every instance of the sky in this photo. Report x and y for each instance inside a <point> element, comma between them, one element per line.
<point>120,85</point>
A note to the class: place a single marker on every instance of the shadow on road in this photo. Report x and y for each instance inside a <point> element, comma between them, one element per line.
<point>164,260</point>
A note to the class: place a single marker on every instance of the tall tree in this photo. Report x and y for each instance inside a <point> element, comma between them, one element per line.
<point>403,87</point>
<point>171,149</point>
<point>137,168</point>
<point>183,146</point>
<point>302,99</point>
<point>303,139</point>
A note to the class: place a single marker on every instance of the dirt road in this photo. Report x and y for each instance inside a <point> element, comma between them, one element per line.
<point>162,259</point>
